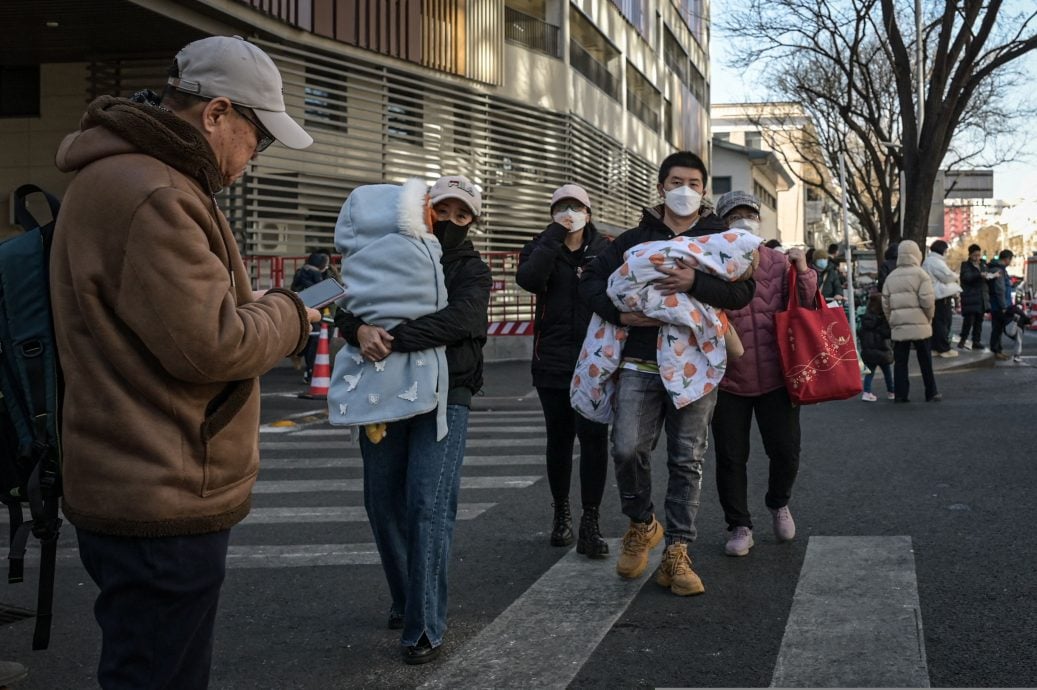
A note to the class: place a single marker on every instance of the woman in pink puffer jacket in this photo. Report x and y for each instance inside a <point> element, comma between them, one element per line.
<point>753,384</point>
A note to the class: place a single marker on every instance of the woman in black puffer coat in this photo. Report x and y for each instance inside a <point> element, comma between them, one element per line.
<point>550,266</point>
<point>975,298</point>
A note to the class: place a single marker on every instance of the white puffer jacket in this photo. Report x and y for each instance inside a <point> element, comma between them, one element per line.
<point>945,281</point>
<point>907,296</point>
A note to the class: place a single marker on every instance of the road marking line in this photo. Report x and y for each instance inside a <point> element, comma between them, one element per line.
<point>269,556</point>
<point>278,516</point>
<point>532,442</point>
<point>297,555</point>
<point>294,486</point>
<point>855,618</point>
<point>547,634</point>
<point>266,463</point>
<point>347,435</point>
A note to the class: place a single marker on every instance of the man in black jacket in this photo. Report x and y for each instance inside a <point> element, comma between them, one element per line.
<point>643,405</point>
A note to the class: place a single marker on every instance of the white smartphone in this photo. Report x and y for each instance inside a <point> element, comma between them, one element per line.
<point>323,293</point>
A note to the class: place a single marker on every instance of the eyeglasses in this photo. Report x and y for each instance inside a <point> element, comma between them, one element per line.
<point>263,137</point>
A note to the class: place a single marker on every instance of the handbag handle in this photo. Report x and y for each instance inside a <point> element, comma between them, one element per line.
<point>793,302</point>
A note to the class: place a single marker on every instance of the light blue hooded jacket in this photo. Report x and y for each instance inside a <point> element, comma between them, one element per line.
<point>392,270</point>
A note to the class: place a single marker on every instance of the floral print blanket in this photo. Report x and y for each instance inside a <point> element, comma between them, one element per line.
<point>690,351</point>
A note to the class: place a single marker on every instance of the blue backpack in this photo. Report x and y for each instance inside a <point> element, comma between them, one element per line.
<point>30,383</point>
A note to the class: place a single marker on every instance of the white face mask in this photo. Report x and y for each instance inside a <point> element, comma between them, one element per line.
<point>748,224</point>
<point>578,218</point>
<point>683,201</point>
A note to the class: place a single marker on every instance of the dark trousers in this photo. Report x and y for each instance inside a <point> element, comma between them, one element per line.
<point>998,320</point>
<point>564,425</point>
<point>156,607</point>
<point>901,383</point>
<point>972,324</point>
<point>778,420</point>
<point>942,325</point>
<point>310,353</point>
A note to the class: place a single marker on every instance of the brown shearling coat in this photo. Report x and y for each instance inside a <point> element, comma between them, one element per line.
<point>160,339</point>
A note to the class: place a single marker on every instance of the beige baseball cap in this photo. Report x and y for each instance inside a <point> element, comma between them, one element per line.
<point>457,187</point>
<point>571,191</point>
<point>231,67</point>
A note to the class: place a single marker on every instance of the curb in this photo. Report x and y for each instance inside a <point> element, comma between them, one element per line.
<point>963,363</point>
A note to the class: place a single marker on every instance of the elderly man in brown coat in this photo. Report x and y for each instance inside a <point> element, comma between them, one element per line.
<point>909,303</point>
<point>162,342</point>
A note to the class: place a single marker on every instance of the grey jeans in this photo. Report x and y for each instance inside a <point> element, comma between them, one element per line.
<point>643,408</point>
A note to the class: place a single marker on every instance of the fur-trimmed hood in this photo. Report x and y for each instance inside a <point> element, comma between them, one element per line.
<point>374,211</point>
<point>113,126</point>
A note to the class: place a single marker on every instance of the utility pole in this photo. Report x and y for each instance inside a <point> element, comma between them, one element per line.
<point>850,297</point>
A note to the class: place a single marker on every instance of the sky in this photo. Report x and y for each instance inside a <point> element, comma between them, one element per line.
<point>1011,181</point>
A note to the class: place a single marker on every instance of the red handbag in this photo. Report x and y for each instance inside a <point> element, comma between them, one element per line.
<point>817,350</point>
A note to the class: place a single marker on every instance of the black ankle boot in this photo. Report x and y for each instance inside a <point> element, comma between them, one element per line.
<point>562,533</point>
<point>591,543</point>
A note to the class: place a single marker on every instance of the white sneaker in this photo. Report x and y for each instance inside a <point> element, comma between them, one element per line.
<point>986,350</point>
<point>965,346</point>
<point>784,525</point>
<point>740,542</point>
<point>891,396</point>
<point>868,397</point>
<point>949,353</point>
<point>1018,359</point>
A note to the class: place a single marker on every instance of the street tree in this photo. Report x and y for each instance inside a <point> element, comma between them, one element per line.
<point>853,66</point>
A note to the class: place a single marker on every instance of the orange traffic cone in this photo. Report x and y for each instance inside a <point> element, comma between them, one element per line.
<point>320,381</point>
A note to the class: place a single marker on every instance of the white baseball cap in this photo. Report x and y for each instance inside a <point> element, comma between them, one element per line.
<point>571,191</point>
<point>231,67</point>
<point>457,187</point>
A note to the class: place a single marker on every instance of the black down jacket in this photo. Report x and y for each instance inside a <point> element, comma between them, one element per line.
<point>461,325</point>
<point>549,269</point>
<point>975,296</point>
<point>876,340</point>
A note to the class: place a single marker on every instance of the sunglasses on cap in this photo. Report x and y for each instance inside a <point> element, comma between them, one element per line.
<point>263,137</point>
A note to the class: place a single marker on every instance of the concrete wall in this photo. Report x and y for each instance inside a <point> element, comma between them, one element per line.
<point>29,144</point>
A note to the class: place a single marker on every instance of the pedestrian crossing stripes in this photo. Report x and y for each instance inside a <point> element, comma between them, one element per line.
<point>271,516</point>
<point>344,461</point>
<point>532,442</point>
<point>297,486</point>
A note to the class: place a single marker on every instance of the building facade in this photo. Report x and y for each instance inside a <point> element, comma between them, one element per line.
<point>805,215</point>
<point>520,95</point>
<point>758,172</point>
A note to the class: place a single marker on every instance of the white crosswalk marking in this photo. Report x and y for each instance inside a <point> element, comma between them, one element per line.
<point>330,459</point>
<point>296,486</point>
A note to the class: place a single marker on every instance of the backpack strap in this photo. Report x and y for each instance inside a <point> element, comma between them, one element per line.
<point>23,216</point>
<point>19,533</point>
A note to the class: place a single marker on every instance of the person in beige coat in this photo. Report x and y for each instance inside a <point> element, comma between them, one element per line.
<point>909,303</point>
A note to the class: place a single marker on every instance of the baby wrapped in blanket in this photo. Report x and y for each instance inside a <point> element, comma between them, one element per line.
<point>391,264</point>
<point>691,352</point>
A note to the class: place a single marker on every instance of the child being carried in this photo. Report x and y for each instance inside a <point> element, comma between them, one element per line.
<point>691,353</point>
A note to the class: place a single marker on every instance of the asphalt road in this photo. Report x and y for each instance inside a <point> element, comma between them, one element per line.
<point>304,604</point>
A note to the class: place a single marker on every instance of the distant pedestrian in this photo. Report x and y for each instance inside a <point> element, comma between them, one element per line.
<point>309,274</point>
<point>889,262</point>
<point>828,278</point>
<point>164,342</point>
<point>999,285</point>
<point>945,287</point>
<point>643,404</point>
<point>876,347</point>
<point>909,303</point>
<point>753,386</point>
<point>549,266</point>
<point>975,298</point>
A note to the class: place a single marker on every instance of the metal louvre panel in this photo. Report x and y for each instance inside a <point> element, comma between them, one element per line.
<point>373,123</point>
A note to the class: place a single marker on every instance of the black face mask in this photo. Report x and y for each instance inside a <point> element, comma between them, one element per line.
<point>449,234</point>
